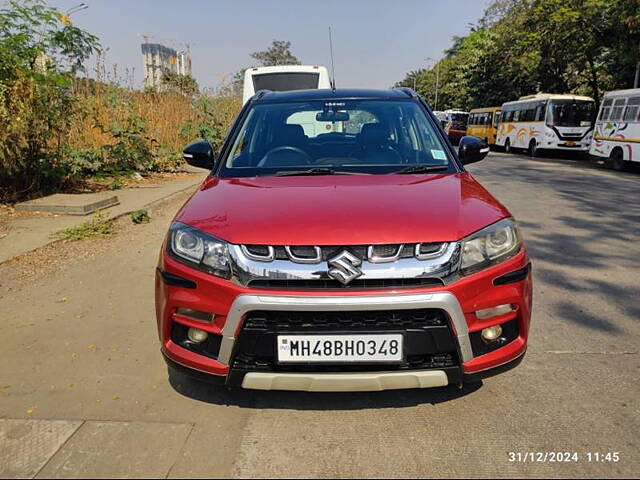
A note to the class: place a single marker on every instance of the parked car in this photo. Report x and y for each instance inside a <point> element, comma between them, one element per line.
<point>617,129</point>
<point>361,259</point>
<point>455,124</point>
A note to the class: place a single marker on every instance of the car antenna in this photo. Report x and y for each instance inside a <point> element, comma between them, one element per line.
<point>333,69</point>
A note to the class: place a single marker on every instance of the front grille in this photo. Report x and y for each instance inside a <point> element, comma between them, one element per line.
<point>354,284</point>
<point>428,339</point>
<point>330,251</point>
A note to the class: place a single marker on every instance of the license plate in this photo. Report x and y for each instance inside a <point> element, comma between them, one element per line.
<point>340,348</point>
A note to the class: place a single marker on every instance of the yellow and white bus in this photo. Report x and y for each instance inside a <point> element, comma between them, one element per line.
<point>483,123</point>
<point>617,132</point>
<point>547,122</point>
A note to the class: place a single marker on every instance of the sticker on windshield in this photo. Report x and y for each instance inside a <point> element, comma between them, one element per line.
<point>438,155</point>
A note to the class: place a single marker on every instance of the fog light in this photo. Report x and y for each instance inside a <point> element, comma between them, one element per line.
<point>494,311</point>
<point>491,333</point>
<point>196,335</point>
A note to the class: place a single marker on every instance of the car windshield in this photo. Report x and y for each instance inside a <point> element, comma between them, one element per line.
<point>335,137</point>
<point>570,113</point>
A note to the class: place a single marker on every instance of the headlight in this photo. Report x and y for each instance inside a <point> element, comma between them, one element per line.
<point>199,250</point>
<point>490,245</point>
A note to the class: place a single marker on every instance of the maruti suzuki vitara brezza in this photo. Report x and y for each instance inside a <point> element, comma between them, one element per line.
<point>339,244</point>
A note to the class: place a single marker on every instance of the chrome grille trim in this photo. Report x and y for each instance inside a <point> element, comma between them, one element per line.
<point>246,268</point>
<point>316,259</point>
<point>373,258</point>
<point>260,258</point>
<point>427,256</point>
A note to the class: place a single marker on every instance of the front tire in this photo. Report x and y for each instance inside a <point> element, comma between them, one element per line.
<point>534,151</point>
<point>507,146</point>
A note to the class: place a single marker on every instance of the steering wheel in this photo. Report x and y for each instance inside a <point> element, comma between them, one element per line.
<point>285,148</point>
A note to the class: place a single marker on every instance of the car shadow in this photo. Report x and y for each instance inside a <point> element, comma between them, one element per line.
<point>285,400</point>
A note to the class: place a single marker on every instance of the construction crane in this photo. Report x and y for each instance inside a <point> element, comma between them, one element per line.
<point>65,18</point>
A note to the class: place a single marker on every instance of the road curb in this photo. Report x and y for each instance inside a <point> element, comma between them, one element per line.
<point>149,206</point>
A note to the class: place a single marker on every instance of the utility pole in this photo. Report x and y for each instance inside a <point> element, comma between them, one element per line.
<point>636,81</point>
<point>437,83</point>
<point>437,65</point>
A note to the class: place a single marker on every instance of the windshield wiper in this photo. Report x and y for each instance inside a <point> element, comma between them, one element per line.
<point>313,171</point>
<point>422,169</point>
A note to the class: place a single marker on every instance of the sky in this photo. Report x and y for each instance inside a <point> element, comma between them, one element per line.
<point>375,41</point>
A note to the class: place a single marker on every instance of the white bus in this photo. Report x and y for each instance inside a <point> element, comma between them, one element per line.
<point>284,77</point>
<point>547,122</point>
<point>291,77</point>
<point>617,131</point>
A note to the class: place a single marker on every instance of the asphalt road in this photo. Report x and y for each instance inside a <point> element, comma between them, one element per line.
<point>79,357</point>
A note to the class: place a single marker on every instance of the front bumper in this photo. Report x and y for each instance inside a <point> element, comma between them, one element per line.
<point>230,303</point>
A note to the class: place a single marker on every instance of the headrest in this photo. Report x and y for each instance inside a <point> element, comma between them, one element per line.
<point>373,135</point>
<point>290,135</point>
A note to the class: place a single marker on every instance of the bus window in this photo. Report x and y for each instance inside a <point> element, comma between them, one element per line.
<point>631,113</point>
<point>496,118</point>
<point>618,107</point>
<point>285,81</point>
<point>606,109</point>
<point>516,115</point>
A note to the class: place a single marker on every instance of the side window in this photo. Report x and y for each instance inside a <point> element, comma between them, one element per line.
<point>605,110</point>
<point>516,116</point>
<point>618,107</point>
<point>496,118</point>
<point>631,112</point>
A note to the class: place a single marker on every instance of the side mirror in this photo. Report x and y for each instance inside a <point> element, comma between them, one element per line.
<point>199,154</point>
<point>472,149</point>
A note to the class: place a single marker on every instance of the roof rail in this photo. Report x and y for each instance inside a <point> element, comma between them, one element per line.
<point>408,91</point>
<point>260,93</point>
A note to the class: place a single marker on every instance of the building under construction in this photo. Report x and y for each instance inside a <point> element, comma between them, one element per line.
<point>158,59</point>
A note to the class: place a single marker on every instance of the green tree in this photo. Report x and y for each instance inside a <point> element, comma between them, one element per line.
<point>39,57</point>
<point>279,53</point>
<point>520,47</point>
<point>184,84</point>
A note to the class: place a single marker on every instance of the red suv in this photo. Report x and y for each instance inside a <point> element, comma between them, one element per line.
<point>339,245</point>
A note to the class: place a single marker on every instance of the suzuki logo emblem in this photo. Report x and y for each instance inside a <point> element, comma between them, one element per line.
<point>344,267</point>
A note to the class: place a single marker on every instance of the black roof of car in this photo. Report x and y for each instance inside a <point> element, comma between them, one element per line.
<point>328,94</point>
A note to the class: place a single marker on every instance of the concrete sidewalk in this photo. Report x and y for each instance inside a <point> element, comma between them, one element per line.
<point>26,233</point>
<point>87,449</point>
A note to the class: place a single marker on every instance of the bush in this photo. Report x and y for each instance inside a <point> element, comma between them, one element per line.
<point>57,129</point>
<point>38,59</point>
<point>212,117</point>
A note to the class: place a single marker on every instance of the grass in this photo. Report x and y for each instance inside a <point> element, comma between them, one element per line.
<point>140,216</point>
<point>98,226</point>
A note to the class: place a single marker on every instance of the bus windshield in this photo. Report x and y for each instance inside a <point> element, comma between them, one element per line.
<point>279,82</point>
<point>571,113</point>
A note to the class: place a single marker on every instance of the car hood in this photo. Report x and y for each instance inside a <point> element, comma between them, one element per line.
<point>341,209</point>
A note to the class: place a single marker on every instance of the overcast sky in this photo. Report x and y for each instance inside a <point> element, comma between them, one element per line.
<point>375,41</point>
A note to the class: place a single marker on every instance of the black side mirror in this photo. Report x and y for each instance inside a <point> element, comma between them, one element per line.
<point>199,154</point>
<point>472,149</point>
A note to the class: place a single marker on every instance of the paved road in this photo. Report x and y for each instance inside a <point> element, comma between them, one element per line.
<point>79,358</point>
